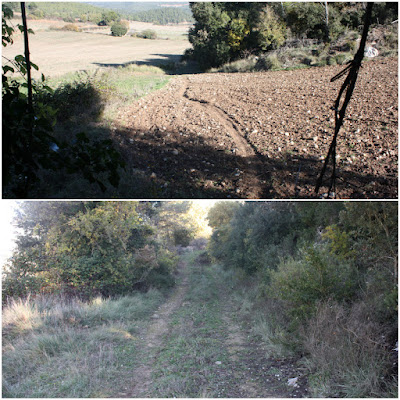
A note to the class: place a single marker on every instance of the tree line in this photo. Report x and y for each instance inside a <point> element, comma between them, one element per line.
<point>70,12</point>
<point>226,31</point>
<point>164,16</point>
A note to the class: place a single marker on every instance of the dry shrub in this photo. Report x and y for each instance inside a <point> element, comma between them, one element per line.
<point>70,27</point>
<point>348,352</point>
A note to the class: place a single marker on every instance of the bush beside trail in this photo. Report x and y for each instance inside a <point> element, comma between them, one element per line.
<point>319,287</point>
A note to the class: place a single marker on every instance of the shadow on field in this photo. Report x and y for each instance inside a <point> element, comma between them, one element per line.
<point>170,63</point>
<point>165,165</point>
<point>182,167</point>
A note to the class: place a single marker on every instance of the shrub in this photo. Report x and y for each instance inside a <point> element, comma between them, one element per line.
<point>330,60</point>
<point>147,34</point>
<point>69,19</point>
<point>203,258</point>
<point>78,100</point>
<point>316,275</point>
<point>119,29</point>
<point>307,20</point>
<point>245,65</point>
<point>70,27</point>
<point>268,63</point>
<point>182,236</point>
<point>272,31</point>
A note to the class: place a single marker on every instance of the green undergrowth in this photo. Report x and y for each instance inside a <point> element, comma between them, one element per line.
<point>69,348</point>
<point>339,52</point>
<point>115,87</point>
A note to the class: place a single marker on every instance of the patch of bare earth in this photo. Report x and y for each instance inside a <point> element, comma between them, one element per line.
<point>259,375</point>
<point>264,135</point>
<point>151,340</point>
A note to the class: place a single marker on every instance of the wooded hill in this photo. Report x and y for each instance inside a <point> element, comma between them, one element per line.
<point>159,13</point>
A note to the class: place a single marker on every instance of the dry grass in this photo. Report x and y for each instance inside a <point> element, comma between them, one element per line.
<point>58,347</point>
<point>348,354</point>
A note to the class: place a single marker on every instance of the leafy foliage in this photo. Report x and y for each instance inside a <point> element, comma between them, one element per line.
<point>68,11</point>
<point>90,248</point>
<point>107,248</point>
<point>326,276</point>
<point>314,276</point>
<point>28,141</point>
<point>305,253</point>
<point>224,30</point>
<point>164,16</point>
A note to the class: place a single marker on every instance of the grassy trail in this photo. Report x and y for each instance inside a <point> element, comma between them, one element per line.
<point>151,339</point>
<point>206,350</point>
<point>193,342</point>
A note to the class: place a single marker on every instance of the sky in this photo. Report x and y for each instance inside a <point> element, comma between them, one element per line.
<point>7,231</point>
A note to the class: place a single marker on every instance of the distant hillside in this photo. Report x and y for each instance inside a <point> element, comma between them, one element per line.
<point>164,15</point>
<point>68,11</point>
<point>161,13</point>
<point>137,7</point>
<point>155,12</point>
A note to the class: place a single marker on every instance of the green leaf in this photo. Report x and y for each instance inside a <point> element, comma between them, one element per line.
<point>7,68</point>
<point>19,58</point>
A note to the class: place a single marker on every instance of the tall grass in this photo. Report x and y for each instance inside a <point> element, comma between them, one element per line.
<point>342,349</point>
<point>114,87</point>
<point>58,347</point>
<point>347,355</point>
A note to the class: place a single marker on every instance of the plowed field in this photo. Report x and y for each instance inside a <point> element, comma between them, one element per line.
<point>264,135</point>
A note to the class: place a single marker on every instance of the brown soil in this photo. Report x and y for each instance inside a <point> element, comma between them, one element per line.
<point>151,339</point>
<point>264,135</point>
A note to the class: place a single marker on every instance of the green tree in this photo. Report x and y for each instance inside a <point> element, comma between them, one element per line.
<point>108,17</point>
<point>223,31</point>
<point>119,29</point>
<point>88,248</point>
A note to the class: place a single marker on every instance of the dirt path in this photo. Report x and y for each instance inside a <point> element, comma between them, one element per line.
<point>264,135</point>
<point>152,339</point>
<point>236,343</point>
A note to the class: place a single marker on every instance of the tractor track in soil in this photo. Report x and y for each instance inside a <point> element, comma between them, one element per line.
<point>244,148</point>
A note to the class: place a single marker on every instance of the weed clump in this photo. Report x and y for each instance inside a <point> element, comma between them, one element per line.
<point>147,34</point>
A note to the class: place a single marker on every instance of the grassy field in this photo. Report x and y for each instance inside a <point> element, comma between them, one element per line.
<point>60,52</point>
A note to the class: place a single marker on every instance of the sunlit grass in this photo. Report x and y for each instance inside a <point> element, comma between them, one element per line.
<point>119,86</point>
